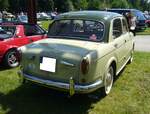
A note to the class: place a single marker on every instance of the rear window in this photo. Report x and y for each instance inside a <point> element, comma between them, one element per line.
<point>77,29</point>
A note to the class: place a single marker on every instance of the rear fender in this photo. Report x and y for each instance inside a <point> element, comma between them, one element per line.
<point>110,61</point>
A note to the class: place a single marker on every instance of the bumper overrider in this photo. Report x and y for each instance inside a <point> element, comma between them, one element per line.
<point>71,86</point>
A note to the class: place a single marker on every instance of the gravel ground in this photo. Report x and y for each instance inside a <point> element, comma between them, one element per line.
<point>142,43</point>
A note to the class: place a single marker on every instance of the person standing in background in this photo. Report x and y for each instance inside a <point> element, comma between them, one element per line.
<point>131,20</point>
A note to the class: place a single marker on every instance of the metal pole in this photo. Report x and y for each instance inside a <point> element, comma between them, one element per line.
<point>31,11</point>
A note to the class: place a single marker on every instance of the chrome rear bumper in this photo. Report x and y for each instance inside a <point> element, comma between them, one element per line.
<point>71,87</point>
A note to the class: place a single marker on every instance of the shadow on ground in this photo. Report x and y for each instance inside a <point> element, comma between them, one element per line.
<point>2,68</point>
<point>34,99</point>
<point>29,98</point>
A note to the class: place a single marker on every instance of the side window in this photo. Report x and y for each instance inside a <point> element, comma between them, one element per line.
<point>125,27</point>
<point>94,29</point>
<point>117,28</point>
<point>31,30</point>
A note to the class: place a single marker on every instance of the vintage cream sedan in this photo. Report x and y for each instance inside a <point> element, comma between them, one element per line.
<point>84,52</point>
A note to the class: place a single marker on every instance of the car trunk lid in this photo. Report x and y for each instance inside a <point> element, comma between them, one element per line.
<point>56,59</point>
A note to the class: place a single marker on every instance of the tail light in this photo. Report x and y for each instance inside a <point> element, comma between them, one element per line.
<point>85,66</point>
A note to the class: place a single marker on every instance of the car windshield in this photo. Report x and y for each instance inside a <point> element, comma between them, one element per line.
<point>77,29</point>
<point>7,31</point>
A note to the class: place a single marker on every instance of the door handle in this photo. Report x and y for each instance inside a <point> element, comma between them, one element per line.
<point>115,45</point>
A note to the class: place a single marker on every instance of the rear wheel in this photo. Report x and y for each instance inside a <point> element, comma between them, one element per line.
<point>11,59</point>
<point>108,81</point>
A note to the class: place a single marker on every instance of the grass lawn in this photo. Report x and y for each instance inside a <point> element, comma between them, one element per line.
<point>146,32</point>
<point>45,24</point>
<point>130,94</point>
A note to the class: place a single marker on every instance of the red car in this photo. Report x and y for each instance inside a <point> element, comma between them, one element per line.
<point>14,35</point>
<point>147,19</point>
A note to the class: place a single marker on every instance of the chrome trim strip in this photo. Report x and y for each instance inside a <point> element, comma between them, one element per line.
<point>122,66</point>
<point>67,63</point>
<point>77,88</point>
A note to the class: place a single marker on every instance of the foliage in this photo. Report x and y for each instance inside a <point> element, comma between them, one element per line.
<point>69,5</point>
<point>120,4</point>
<point>80,4</point>
<point>63,5</point>
<point>93,4</point>
<point>4,4</point>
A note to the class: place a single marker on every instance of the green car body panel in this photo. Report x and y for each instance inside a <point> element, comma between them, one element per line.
<point>70,52</point>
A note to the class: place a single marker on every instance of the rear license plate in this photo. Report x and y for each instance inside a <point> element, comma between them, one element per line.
<point>48,64</point>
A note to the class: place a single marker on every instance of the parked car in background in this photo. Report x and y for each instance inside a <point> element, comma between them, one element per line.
<point>43,16</point>
<point>52,15</point>
<point>140,24</point>
<point>85,50</point>
<point>22,18</point>
<point>147,19</point>
<point>14,35</point>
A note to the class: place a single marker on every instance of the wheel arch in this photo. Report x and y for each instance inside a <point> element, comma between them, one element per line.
<point>111,62</point>
<point>9,49</point>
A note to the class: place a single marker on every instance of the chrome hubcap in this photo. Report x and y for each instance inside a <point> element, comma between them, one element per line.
<point>109,80</point>
<point>12,59</point>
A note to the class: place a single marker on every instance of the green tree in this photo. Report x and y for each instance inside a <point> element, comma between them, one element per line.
<point>69,5</point>
<point>119,4</point>
<point>93,4</point>
<point>80,4</point>
<point>4,4</point>
<point>63,5</point>
<point>13,5</point>
<point>83,4</point>
<point>51,4</point>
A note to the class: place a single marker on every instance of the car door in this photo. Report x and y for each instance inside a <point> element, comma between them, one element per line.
<point>118,41</point>
<point>18,38</point>
<point>34,32</point>
<point>128,38</point>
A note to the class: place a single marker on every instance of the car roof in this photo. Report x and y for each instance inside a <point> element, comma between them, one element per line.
<point>117,10</point>
<point>123,9</point>
<point>88,15</point>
